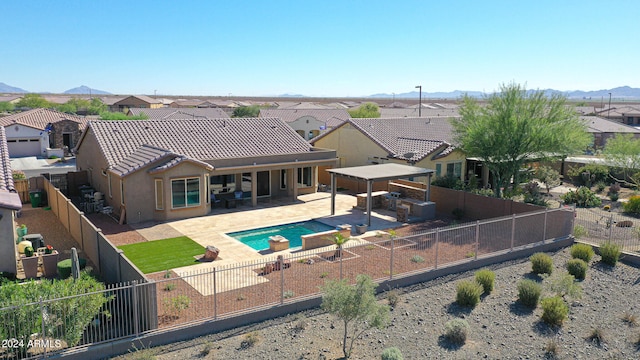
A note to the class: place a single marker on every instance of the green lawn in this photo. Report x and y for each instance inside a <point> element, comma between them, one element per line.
<point>159,255</point>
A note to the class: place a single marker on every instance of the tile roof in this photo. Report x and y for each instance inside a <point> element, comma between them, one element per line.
<point>9,199</point>
<point>333,117</point>
<point>144,98</point>
<point>301,105</point>
<point>180,113</point>
<point>39,118</point>
<point>145,155</point>
<point>199,139</point>
<point>413,112</point>
<point>409,139</point>
<point>596,124</point>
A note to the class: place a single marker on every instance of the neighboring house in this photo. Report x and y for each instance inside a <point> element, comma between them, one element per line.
<point>35,132</point>
<point>173,113</point>
<point>309,123</point>
<point>194,103</point>
<point>423,142</point>
<point>603,129</point>
<point>427,111</point>
<point>9,204</point>
<point>10,98</point>
<point>136,101</point>
<point>170,169</point>
<point>628,115</point>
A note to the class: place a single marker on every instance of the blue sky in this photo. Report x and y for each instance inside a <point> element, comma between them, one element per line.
<point>318,48</point>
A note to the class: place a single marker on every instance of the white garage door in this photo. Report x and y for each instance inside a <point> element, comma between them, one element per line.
<point>24,147</point>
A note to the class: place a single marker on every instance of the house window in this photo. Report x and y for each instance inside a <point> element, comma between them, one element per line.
<point>185,193</point>
<point>304,176</point>
<point>283,179</point>
<point>222,183</point>
<point>454,169</point>
<point>438,170</point>
<point>159,195</point>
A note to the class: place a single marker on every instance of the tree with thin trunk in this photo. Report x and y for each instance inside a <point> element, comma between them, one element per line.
<point>339,240</point>
<point>516,126</point>
<point>623,153</point>
<point>354,305</point>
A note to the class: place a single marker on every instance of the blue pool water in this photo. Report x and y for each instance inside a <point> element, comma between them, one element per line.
<point>258,239</point>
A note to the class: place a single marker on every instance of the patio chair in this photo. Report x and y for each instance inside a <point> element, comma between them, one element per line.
<point>214,200</point>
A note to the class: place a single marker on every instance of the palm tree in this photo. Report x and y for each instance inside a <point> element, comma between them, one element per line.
<point>339,240</point>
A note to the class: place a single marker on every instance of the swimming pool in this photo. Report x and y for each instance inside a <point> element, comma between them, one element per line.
<point>258,239</point>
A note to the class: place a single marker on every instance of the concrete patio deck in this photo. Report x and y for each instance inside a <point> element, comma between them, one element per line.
<point>212,230</point>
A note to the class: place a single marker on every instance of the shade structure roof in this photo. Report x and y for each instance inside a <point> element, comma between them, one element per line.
<point>381,172</point>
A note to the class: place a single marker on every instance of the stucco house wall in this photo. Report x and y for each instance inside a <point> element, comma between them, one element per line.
<point>18,132</point>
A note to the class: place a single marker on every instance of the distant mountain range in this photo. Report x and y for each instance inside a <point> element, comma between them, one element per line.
<point>85,90</point>
<point>4,88</point>
<point>81,90</point>
<point>622,92</point>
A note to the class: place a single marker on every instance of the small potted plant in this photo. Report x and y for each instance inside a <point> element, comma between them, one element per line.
<point>50,262</point>
<point>21,231</point>
<point>29,263</point>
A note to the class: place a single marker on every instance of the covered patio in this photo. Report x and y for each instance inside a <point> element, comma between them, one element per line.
<point>380,172</point>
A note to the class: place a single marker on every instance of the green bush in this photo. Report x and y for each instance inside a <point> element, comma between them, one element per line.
<point>600,186</point>
<point>541,263</point>
<point>632,206</point>
<point>468,293</point>
<point>579,231</point>
<point>582,251</point>
<point>554,310</point>
<point>577,268</point>
<point>486,278</point>
<point>529,293</point>
<point>590,174</point>
<point>392,353</point>
<point>64,267</point>
<point>583,197</point>
<point>449,182</point>
<point>610,253</point>
<point>456,331</point>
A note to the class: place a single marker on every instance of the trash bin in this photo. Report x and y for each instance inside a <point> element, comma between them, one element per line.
<point>37,241</point>
<point>36,198</point>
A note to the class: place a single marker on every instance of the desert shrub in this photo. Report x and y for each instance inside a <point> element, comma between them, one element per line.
<point>541,263</point>
<point>288,294</point>
<point>250,340</point>
<point>577,268</point>
<point>590,174</point>
<point>582,197</point>
<point>392,353</point>
<point>549,177</point>
<point>176,305</point>
<point>64,267</point>
<point>532,194</point>
<point>579,231</point>
<point>417,259</point>
<point>614,197</point>
<point>483,192</point>
<point>632,206</point>
<point>486,278</point>
<point>393,298</point>
<point>169,287</point>
<point>449,181</point>
<point>597,336</point>
<point>600,186</point>
<point>582,251</point>
<point>529,293</point>
<point>468,293</point>
<point>610,253</point>
<point>563,284</point>
<point>614,188</point>
<point>554,310</point>
<point>455,331</point>
<point>552,349</point>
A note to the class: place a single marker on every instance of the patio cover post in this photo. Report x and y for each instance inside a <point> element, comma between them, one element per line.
<point>254,188</point>
<point>369,186</point>
<point>428,193</point>
<point>295,184</point>
<point>333,194</point>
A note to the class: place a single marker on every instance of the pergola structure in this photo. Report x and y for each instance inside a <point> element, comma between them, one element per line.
<point>380,172</point>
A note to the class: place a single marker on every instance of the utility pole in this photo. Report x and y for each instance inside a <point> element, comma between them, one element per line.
<point>609,109</point>
<point>419,101</point>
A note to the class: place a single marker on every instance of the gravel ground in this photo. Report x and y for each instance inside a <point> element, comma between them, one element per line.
<point>499,327</point>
